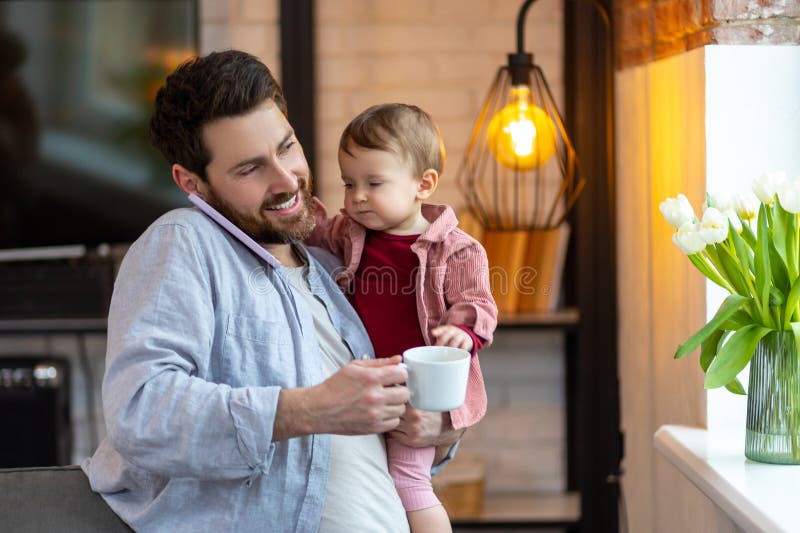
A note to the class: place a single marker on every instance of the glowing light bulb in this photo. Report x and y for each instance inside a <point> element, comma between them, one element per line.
<point>521,135</point>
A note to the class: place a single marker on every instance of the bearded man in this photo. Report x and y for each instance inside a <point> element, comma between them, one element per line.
<point>232,404</point>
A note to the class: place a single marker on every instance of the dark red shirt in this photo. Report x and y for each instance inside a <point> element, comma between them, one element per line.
<point>384,294</point>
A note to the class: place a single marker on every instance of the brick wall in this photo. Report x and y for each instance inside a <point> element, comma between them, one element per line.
<point>249,25</point>
<point>440,55</point>
<point>647,30</point>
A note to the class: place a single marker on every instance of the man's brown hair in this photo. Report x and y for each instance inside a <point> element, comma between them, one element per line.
<point>201,90</point>
<point>403,129</point>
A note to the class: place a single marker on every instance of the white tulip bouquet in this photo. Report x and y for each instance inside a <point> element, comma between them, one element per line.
<point>749,245</point>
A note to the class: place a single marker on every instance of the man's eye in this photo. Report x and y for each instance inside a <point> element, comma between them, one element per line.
<point>247,170</point>
<point>288,146</point>
<point>375,183</point>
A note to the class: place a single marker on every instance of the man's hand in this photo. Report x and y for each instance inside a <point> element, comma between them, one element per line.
<point>456,337</point>
<point>362,398</point>
<point>420,429</point>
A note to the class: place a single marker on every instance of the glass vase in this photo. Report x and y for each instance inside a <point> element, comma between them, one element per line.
<point>773,401</point>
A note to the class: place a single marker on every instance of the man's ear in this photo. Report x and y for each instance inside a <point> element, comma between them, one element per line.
<point>427,184</point>
<point>188,181</point>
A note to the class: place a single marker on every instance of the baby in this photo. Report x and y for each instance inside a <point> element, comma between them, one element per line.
<point>413,277</point>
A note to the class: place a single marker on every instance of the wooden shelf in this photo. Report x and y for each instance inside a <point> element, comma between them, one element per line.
<point>568,316</point>
<point>526,508</point>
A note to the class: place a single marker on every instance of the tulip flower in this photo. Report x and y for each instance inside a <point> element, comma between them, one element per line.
<point>714,226</point>
<point>766,186</point>
<point>678,211</point>
<point>722,201</point>
<point>748,244</point>
<point>746,205</point>
<point>733,218</point>
<point>789,195</point>
<point>688,239</point>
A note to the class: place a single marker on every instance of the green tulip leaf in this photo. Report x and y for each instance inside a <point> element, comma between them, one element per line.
<point>735,387</point>
<point>791,304</point>
<point>790,221</point>
<point>729,264</point>
<point>731,304</point>
<point>747,234</point>
<point>762,264</point>
<point>776,297</point>
<point>738,320</point>
<point>780,274</point>
<point>734,356</point>
<point>780,228</point>
<point>707,353</point>
<point>707,271</point>
<point>743,251</point>
<point>712,253</point>
<point>708,349</point>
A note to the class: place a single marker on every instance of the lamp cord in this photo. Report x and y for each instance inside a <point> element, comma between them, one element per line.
<point>609,59</point>
<point>523,12</point>
<point>610,165</point>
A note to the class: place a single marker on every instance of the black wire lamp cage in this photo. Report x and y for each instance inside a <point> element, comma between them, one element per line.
<point>520,171</point>
<point>520,177</point>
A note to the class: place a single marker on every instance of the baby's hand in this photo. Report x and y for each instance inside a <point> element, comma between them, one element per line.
<point>452,336</point>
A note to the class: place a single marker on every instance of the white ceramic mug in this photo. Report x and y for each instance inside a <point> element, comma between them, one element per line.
<point>437,377</point>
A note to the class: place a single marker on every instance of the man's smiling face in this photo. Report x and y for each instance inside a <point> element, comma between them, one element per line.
<point>258,176</point>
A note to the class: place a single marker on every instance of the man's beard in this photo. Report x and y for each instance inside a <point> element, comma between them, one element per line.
<point>296,228</point>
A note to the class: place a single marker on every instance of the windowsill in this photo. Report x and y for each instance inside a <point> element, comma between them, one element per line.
<point>757,496</point>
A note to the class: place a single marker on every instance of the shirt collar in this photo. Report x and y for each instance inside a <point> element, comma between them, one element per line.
<point>442,221</point>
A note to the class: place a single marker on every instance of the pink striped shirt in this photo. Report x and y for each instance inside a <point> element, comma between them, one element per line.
<point>452,284</point>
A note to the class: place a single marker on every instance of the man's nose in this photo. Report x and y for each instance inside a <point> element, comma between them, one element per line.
<point>282,179</point>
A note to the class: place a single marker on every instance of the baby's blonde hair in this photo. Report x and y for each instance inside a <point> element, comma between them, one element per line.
<point>403,129</point>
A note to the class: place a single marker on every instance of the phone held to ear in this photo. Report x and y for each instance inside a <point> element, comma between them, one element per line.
<point>231,228</point>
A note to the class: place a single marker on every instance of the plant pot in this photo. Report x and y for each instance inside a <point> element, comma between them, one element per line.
<point>506,253</point>
<point>539,282</point>
<point>773,401</point>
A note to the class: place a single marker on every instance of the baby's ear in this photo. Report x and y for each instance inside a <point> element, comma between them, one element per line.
<point>427,184</point>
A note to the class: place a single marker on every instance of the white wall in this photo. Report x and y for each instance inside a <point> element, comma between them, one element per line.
<point>752,127</point>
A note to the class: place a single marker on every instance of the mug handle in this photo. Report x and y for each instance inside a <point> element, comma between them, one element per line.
<point>410,390</point>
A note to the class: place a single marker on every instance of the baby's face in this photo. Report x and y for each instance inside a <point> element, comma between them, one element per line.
<point>381,190</point>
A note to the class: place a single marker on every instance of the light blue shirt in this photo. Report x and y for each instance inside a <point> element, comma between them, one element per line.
<point>202,335</point>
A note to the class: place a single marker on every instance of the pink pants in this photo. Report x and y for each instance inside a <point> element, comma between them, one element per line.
<point>410,469</point>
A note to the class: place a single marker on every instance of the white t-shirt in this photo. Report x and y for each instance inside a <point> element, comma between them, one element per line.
<point>360,495</point>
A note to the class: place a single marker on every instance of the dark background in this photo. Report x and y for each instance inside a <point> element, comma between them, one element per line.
<point>77,79</point>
